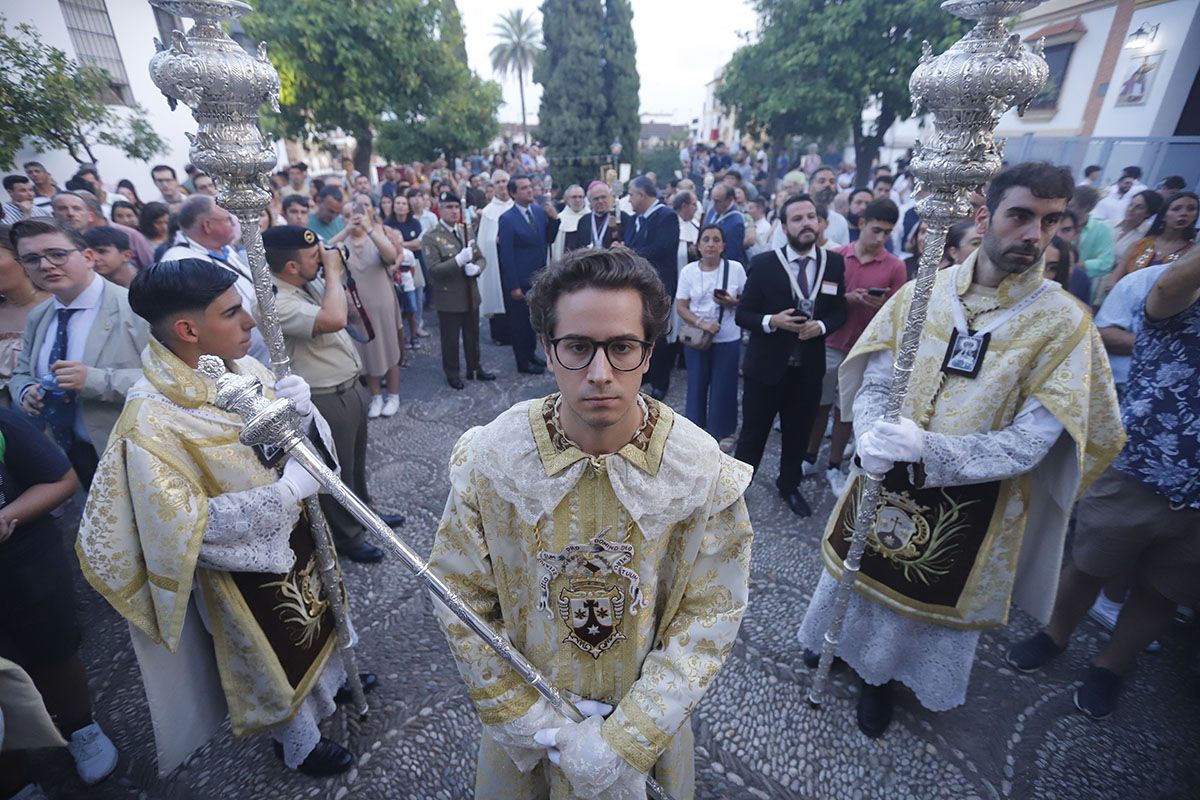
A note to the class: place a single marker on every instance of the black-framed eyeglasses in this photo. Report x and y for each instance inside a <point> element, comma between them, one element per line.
<point>55,255</point>
<point>577,352</point>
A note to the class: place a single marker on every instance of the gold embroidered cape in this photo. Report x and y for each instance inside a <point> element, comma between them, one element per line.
<point>1050,351</point>
<point>623,578</point>
<point>140,537</point>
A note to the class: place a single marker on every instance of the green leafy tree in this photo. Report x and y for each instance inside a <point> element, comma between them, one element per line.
<point>350,64</point>
<point>573,105</point>
<point>518,50</point>
<point>819,63</point>
<point>52,102</point>
<point>621,82</point>
<point>461,121</point>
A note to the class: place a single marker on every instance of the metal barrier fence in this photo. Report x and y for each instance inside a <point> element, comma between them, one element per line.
<point>1158,156</point>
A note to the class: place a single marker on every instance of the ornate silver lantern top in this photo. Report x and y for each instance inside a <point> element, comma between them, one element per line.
<point>967,89</point>
<point>224,86</point>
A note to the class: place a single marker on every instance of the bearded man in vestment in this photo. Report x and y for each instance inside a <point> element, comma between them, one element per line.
<point>202,544</point>
<point>487,236</point>
<point>1010,414</point>
<point>607,538</point>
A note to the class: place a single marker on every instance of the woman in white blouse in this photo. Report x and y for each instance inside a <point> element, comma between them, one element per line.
<point>706,297</point>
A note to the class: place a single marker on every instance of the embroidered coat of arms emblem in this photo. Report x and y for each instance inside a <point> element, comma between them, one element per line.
<point>592,604</point>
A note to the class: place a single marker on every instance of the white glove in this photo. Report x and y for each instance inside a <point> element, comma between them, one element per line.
<point>296,389</point>
<point>872,465</point>
<point>297,480</point>
<point>464,256</point>
<point>594,770</point>
<point>471,269</point>
<point>899,441</point>
<point>590,708</point>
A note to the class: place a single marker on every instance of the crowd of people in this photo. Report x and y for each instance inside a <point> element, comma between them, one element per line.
<point>783,298</point>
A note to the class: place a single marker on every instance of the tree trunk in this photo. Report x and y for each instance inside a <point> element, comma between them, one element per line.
<point>364,139</point>
<point>867,146</point>
<point>521,89</point>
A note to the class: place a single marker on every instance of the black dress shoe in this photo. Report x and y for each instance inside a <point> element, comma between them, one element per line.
<point>531,369</point>
<point>368,681</point>
<point>361,552</point>
<point>391,520</point>
<point>874,710</point>
<point>481,375</point>
<point>327,758</point>
<point>796,502</point>
<point>456,383</point>
<point>812,659</point>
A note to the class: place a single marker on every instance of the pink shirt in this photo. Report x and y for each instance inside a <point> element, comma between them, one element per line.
<point>885,271</point>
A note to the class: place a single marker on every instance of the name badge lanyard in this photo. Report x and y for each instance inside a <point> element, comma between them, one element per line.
<point>964,353</point>
<point>805,303</point>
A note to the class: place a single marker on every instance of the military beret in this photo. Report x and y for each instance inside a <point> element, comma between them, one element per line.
<point>288,237</point>
<point>449,197</point>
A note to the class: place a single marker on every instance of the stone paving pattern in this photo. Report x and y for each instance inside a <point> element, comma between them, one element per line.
<point>1018,736</point>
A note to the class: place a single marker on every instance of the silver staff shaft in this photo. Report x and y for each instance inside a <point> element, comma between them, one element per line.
<point>274,423</point>
<point>966,89</point>
<point>225,86</point>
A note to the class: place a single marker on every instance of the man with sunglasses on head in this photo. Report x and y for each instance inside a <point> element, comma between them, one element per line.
<point>82,348</point>
<point>607,538</point>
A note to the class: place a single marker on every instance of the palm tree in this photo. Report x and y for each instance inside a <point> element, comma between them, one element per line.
<point>520,42</point>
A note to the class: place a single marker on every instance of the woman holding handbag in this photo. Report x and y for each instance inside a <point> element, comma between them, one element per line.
<point>705,299</point>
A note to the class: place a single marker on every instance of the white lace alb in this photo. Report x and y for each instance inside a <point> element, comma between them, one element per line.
<point>249,531</point>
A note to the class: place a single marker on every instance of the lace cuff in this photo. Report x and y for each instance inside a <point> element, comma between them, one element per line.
<point>993,456</point>
<point>249,531</point>
<point>516,737</point>
<point>872,396</point>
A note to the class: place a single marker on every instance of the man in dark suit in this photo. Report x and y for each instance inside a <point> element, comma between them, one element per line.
<point>600,225</point>
<point>794,297</point>
<point>526,233</point>
<point>653,233</point>
<point>725,215</point>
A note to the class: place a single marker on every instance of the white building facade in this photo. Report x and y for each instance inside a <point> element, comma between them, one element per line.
<point>118,36</point>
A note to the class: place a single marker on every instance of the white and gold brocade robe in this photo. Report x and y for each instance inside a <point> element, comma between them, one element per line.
<point>653,542</point>
<point>142,544</point>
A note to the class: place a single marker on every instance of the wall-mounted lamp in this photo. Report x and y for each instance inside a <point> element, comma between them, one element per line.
<point>1143,36</point>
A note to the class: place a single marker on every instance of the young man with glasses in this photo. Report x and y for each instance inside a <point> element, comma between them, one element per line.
<point>82,348</point>
<point>606,538</point>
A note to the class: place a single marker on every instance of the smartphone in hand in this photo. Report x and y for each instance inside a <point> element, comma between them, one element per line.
<point>877,292</point>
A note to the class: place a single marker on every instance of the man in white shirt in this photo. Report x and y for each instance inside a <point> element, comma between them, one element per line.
<point>206,231</point>
<point>1112,206</point>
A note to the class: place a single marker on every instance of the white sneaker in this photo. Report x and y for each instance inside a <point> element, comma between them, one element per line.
<point>30,791</point>
<point>94,754</point>
<point>390,406</point>
<point>837,481</point>
<point>376,407</point>
<point>1105,611</point>
<point>808,470</point>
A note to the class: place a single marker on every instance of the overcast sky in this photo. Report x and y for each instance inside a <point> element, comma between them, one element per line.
<point>680,46</point>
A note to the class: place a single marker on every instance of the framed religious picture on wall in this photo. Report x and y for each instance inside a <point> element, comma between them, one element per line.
<point>1139,77</point>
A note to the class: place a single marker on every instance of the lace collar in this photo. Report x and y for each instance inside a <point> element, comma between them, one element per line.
<point>557,451</point>
<point>660,478</point>
<point>1011,290</point>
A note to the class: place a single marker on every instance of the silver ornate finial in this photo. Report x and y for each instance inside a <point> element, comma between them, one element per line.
<point>211,367</point>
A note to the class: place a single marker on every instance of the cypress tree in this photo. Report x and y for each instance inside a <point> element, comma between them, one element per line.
<point>621,82</point>
<point>574,104</point>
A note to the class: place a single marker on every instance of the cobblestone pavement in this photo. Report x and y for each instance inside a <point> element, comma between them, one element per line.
<point>1018,736</point>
